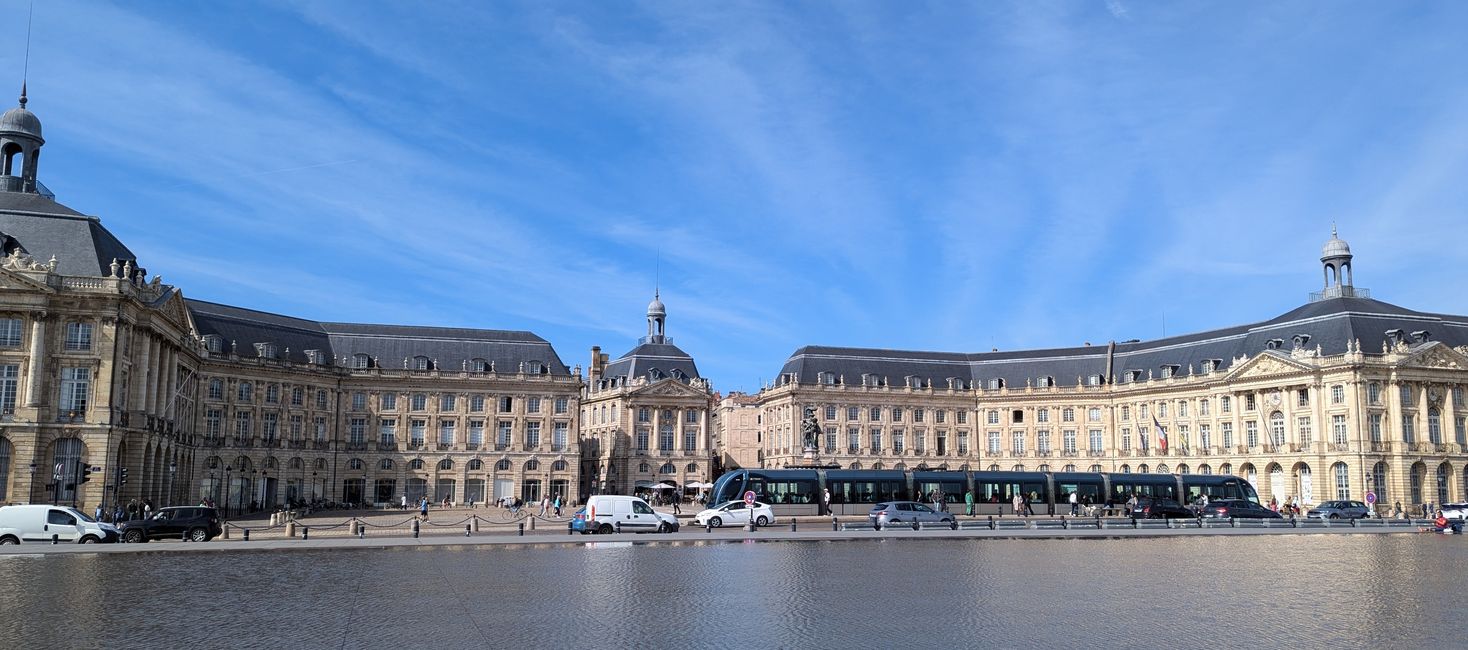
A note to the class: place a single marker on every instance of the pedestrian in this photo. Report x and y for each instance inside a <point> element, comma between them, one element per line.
<point>941,500</point>
<point>97,514</point>
<point>1029,504</point>
<point>423,508</point>
<point>1075,504</point>
<point>544,506</point>
<point>1019,504</point>
<point>676,509</point>
<point>968,503</point>
<point>1131,504</point>
<point>147,508</point>
<point>403,502</point>
<point>826,501</point>
<point>557,505</point>
<point>1397,511</point>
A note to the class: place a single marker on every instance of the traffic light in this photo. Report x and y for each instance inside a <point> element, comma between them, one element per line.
<point>84,472</point>
<point>123,479</point>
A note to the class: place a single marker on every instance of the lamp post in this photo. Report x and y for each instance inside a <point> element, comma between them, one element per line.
<point>264,478</point>
<point>313,486</point>
<point>32,494</point>
<point>253,474</point>
<point>172,468</point>
<point>227,470</point>
<point>213,486</point>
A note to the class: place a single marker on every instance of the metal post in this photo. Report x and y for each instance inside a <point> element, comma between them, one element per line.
<point>834,525</point>
<point>415,528</point>
<point>466,529</point>
<point>305,533</point>
<point>792,524</point>
<point>522,528</point>
<point>247,534</point>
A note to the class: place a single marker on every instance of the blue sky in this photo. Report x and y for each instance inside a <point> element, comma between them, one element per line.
<point>947,176</point>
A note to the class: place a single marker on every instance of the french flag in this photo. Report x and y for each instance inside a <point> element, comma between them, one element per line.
<point>1161,434</point>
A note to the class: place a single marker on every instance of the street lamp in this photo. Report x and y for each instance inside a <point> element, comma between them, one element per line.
<point>172,468</point>
<point>313,486</point>
<point>263,480</point>
<point>227,470</point>
<point>253,474</point>
<point>32,495</point>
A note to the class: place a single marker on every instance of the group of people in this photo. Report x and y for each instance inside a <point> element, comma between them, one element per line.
<point>135,509</point>
<point>1289,507</point>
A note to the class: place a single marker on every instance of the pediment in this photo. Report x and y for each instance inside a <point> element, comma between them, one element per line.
<point>1268,364</point>
<point>14,281</point>
<point>669,388</point>
<point>173,308</point>
<point>1436,355</point>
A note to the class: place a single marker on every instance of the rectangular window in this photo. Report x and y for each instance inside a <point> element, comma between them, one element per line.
<point>1183,440</point>
<point>1017,442</point>
<point>1303,396</point>
<point>1096,442</point>
<point>1093,414</point>
<point>1406,395</point>
<point>994,442</point>
<point>297,426</point>
<point>1460,425</point>
<point>941,417</point>
<point>875,415</point>
<point>1042,416</point>
<point>446,432</point>
<point>502,440</point>
<point>387,431</point>
<point>246,392</point>
<point>1126,413</point>
<point>853,439</point>
<point>1249,402</point>
<point>1409,436</point>
<point>830,412</point>
<point>1251,433</point>
<point>320,428</point>
<point>1225,404</point>
<point>665,438</point>
<point>357,430</point>
<point>216,389</point>
<point>1203,406</point>
<point>1373,393</point>
<point>560,436</point>
<point>1205,435</point>
<point>1457,396</point>
<point>242,424</point>
<point>993,417</point>
<point>388,401</point>
<point>418,402</point>
<point>1143,438</point>
<point>1337,394</point>
<point>875,435</point>
<point>899,440</point>
<point>1142,411</point>
<point>10,332</point>
<point>1304,430</point>
<point>272,394</point>
<point>1126,439</point>
<point>76,387</point>
<point>1338,429</point>
<point>476,432</point>
<point>1182,408</point>
<point>212,423</point>
<point>1068,415</point>
<point>561,405</point>
<point>359,401</point>
<point>270,426</point>
<point>298,396</point>
<point>963,417</point>
<point>1162,410</point>
<point>642,439</point>
<point>917,415</point>
<point>9,381</point>
<point>644,415</point>
<point>690,439</point>
<point>78,337</point>
<point>1042,441</point>
<point>853,413</point>
<point>447,403</point>
<point>691,416</point>
<point>532,405</point>
<point>1227,430</point>
<point>963,443</point>
<point>919,440</point>
<point>1375,426</point>
<point>507,404</point>
<point>476,403</point>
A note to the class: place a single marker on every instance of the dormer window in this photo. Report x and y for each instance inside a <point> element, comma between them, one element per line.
<point>827,378</point>
<point>1133,375</point>
<point>1421,336</point>
<point>1211,365</point>
<point>994,384</point>
<point>1273,344</point>
<point>214,343</point>
<point>265,350</point>
<point>361,361</point>
<point>478,365</point>
<point>678,374</point>
<point>1299,340</point>
<point>313,357</point>
<point>1393,337</point>
<point>1045,381</point>
<point>535,368</point>
<point>1168,370</point>
<point>422,363</point>
<point>654,374</point>
<point>1093,380</point>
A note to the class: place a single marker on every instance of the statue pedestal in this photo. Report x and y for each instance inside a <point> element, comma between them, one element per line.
<point>810,455</point>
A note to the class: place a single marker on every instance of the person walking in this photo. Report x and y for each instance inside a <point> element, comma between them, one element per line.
<point>403,504</point>
<point>1075,504</point>
<point>1019,504</point>
<point>557,505</point>
<point>1030,504</point>
<point>1397,511</point>
<point>968,503</point>
<point>423,508</point>
<point>826,501</point>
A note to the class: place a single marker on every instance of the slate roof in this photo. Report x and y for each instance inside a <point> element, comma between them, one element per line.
<point>646,357</point>
<point>81,244</point>
<point>1329,324</point>
<point>389,344</point>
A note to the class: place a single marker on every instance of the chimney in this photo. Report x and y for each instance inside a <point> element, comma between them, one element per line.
<point>598,361</point>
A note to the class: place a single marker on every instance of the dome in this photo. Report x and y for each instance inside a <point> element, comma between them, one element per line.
<point>21,122</point>
<point>655,308</point>
<point>1336,247</point>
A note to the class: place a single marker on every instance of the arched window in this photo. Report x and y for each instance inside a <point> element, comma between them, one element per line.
<point>445,465</point>
<point>692,467</point>
<point>994,467</point>
<point>475,465</point>
<point>502,466</point>
<point>877,465</point>
<point>1419,476</point>
<point>532,465</point>
<point>1142,469</point>
<point>559,466</point>
<point>385,464</point>
<point>1068,468</point>
<point>320,464</point>
<point>1018,468</point>
<point>272,463</point>
<point>644,468</point>
<point>856,466</point>
<point>1043,468</point>
<point>667,468</point>
<point>1342,481</point>
<point>356,464</point>
<point>1126,469</point>
<point>1205,469</point>
<point>1276,428</point>
<point>1378,482</point>
<point>1226,468</point>
<point>213,462</point>
<point>416,463</point>
<point>1443,471</point>
<point>66,452</point>
<point>1162,468</point>
<point>1182,469</point>
<point>900,467</point>
<point>1095,468</point>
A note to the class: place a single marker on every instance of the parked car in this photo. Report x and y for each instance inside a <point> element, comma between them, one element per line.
<point>195,523</point>
<point>735,513</point>
<point>40,523</point>
<point>1340,510</point>
<point>905,512</point>
<point>1160,508</point>
<point>1455,511</point>
<point>1236,508</point>
<point>607,513</point>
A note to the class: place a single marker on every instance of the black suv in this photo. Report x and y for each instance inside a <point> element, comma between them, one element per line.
<point>195,523</point>
<point>1237,509</point>
<point>1158,508</point>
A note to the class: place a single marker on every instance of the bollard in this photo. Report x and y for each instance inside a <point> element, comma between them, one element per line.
<point>1063,523</point>
<point>532,523</point>
<point>834,525</point>
<point>226,530</point>
<point>750,527</point>
<point>522,528</point>
<point>708,527</point>
<point>247,534</point>
<point>466,529</point>
<point>1134,522</point>
<point>55,539</point>
<point>290,529</point>
<point>415,528</point>
<point>792,524</point>
<point>953,524</point>
<point>914,525</point>
<point>361,530</point>
<point>476,523</point>
<point>1293,524</point>
<point>305,533</point>
<point>991,522</point>
<point>1233,522</point>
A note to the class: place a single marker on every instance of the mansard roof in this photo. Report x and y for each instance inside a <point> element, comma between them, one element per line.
<point>45,228</point>
<point>646,357</point>
<point>1331,325</point>
<point>450,348</point>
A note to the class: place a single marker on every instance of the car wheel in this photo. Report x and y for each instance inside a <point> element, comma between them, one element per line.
<point>604,529</point>
<point>8,540</point>
<point>198,535</point>
<point>662,527</point>
<point>762,521</point>
<point>88,540</point>
<point>133,537</point>
<point>1334,516</point>
<point>716,522</point>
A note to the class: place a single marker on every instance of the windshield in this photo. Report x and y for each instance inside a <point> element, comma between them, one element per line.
<point>81,515</point>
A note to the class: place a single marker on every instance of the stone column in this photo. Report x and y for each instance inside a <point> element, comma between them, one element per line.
<point>34,380</point>
<point>155,389</point>
<point>140,374</point>
<point>657,427</point>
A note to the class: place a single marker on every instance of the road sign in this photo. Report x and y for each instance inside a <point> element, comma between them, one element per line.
<point>749,497</point>
<point>1370,498</point>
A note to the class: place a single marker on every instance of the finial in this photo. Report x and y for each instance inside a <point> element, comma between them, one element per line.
<point>22,94</point>
<point>1332,229</point>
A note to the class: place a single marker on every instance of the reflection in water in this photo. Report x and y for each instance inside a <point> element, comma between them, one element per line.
<point>1306,591</point>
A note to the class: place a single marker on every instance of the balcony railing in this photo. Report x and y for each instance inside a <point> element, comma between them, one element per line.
<point>244,443</point>
<point>213,441</point>
<point>387,445</point>
<point>1338,446</point>
<point>357,446</point>
<point>415,444</point>
<point>1069,453</point>
<point>296,444</point>
<point>320,445</point>
<point>1381,447</point>
<point>1096,453</point>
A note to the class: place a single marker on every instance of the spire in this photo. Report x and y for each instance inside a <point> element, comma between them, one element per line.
<point>22,93</point>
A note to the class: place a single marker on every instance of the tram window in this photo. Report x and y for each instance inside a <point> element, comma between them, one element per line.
<point>859,491</point>
<point>1034,492</point>
<point>952,490</point>
<point>1088,492</point>
<point>773,492</point>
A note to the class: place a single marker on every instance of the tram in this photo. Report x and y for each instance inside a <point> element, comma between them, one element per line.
<point>796,492</point>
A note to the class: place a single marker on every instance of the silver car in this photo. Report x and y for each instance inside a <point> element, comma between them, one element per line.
<point>905,513</point>
<point>1455,510</point>
<point>1340,510</point>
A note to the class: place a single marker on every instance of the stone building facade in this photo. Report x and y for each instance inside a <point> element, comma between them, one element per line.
<point>737,432</point>
<point>113,386</point>
<point>1342,396</point>
<point>645,416</point>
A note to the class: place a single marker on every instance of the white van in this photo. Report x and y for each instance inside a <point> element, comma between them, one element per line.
<point>606,513</point>
<point>39,523</point>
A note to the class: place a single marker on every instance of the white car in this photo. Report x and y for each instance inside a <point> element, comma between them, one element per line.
<point>734,513</point>
<point>1455,510</point>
